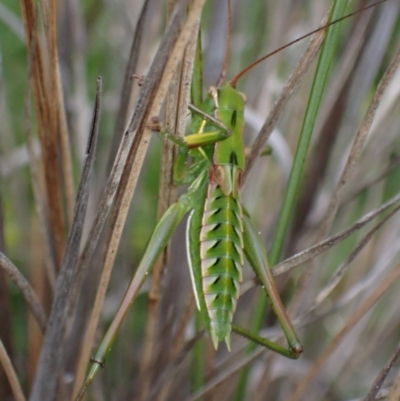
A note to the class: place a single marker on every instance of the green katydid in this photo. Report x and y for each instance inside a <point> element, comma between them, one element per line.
<point>220,233</point>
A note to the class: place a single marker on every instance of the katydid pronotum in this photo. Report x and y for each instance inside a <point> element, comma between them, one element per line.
<point>220,233</point>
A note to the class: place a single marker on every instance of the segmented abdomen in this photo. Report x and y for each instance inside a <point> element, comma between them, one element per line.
<point>221,258</point>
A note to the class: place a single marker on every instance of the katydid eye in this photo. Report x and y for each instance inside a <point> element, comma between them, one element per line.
<point>244,97</point>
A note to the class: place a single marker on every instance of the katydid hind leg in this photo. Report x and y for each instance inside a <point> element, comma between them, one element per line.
<point>256,255</point>
<point>265,342</point>
<point>159,239</point>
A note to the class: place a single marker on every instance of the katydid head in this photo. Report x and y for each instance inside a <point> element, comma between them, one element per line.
<point>226,96</point>
<point>234,80</point>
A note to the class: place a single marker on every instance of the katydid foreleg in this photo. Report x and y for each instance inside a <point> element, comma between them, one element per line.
<point>192,145</point>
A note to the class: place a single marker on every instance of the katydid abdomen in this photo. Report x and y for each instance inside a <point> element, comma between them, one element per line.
<point>215,235</point>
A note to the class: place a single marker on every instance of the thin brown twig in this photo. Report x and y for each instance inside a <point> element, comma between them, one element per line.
<point>337,276</point>
<point>301,388</point>
<point>322,246</point>
<point>376,386</point>
<point>27,291</point>
<point>128,82</point>
<point>11,374</point>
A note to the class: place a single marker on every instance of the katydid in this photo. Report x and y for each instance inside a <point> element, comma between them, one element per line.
<point>219,231</point>
<point>220,234</point>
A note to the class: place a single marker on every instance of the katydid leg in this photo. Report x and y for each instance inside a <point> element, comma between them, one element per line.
<point>200,139</point>
<point>185,176</point>
<point>287,352</point>
<point>157,243</point>
<point>212,120</point>
<point>256,255</point>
